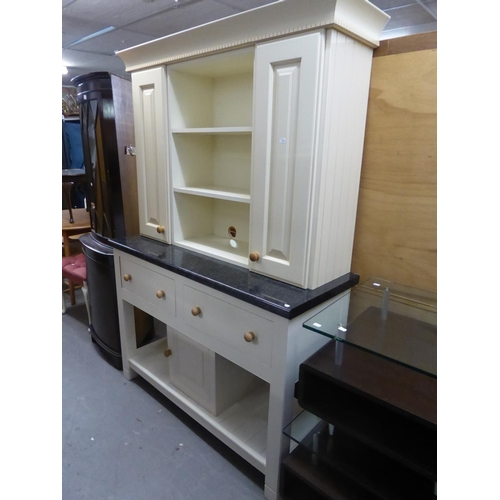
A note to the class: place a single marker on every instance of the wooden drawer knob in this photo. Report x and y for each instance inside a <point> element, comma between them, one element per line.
<point>196,311</point>
<point>249,336</point>
<point>167,353</point>
<point>160,229</point>
<point>254,256</point>
<point>127,277</point>
<point>160,294</point>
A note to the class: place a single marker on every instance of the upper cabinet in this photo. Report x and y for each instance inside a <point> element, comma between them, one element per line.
<point>150,121</point>
<point>249,136</point>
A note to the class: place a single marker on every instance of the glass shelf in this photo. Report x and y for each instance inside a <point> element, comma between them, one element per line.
<point>377,474</point>
<point>390,320</point>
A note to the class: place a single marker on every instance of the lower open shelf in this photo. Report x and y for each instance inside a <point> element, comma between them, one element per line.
<point>303,476</point>
<point>242,427</point>
<point>232,251</point>
<point>379,475</point>
<point>212,226</point>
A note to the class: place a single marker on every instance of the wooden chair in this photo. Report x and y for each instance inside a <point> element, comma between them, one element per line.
<point>67,187</point>
<point>74,272</point>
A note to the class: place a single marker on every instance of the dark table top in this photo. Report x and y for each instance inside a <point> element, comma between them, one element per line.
<point>280,298</point>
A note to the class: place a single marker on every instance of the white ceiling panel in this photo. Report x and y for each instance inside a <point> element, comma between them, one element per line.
<point>119,14</point>
<point>246,4</point>
<point>112,41</point>
<point>109,64</point>
<point>408,30</point>
<point>138,21</point>
<point>409,15</point>
<point>79,57</point>
<point>181,19</point>
<point>390,4</point>
<point>74,29</point>
<point>86,62</point>
<point>432,7</point>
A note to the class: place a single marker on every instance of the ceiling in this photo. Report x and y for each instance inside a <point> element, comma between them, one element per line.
<point>93,30</point>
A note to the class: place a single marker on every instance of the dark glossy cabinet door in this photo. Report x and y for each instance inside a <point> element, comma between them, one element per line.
<point>107,133</point>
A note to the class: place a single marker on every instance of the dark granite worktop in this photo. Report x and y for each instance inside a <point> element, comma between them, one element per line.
<point>272,295</point>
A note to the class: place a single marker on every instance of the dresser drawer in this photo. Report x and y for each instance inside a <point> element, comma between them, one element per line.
<point>232,325</point>
<point>148,285</point>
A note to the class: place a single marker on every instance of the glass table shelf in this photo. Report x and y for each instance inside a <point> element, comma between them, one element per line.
<point>378,474</point>
<point>390,320</point>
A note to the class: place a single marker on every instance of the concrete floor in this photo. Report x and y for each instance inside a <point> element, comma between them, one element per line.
<point>123,440</point>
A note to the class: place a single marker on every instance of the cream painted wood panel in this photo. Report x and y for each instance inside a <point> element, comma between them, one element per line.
<point>229,324</point>
<point>286,94</point>
<point>192,369</point>
<point>150,286</point>
<point>346,81</point>
<point>150,108</point>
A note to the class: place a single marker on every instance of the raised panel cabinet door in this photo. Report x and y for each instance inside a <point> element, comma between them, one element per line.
<point>287,78</point>
<point>150,108</point>
<point>192,369</point>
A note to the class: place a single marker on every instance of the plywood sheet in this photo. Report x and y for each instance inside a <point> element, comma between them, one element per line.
<point>396,227</point>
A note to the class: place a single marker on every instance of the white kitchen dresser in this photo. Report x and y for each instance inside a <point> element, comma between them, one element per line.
<point>249,136</point>
<point>233,344</point>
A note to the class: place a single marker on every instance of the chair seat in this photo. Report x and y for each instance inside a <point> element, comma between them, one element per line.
<point>74,268</point>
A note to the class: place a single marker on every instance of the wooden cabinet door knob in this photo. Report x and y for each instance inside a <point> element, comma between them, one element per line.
<point>160,229</point>
<point>196,311</point>
<point>249,336</point>
<point>160,294</point>
<point>127,277</point>
<point>254,256</point>
<point>167,353</point>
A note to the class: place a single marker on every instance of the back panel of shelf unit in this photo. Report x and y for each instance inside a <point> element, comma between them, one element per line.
<point>216,91</point>
<point>199,216</point>
<point>202,160</point>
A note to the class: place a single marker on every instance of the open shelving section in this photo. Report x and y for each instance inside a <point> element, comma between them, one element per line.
<point>210,122</point>
<point>242,427</point>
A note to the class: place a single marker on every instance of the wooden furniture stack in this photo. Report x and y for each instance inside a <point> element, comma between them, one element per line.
<point>249,135</point>
<point>369,425</point>
<point>382,439</point>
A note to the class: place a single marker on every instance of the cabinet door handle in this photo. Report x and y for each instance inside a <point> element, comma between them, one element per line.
<point>160,294</point>
<point>160,229</point>
<point>127,277</point>
<point>249,336</point>
<point>130,150</point>
<point>167,353</point>
<point>196,311</point>
<point>254,256</point>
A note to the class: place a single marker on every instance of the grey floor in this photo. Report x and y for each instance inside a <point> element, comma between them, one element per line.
<point>123,440</point>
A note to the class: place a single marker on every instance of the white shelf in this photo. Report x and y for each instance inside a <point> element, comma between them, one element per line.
<point>214,130</point>
<point>217,192</point>
<point>243,426</point>
<point>220,247</point>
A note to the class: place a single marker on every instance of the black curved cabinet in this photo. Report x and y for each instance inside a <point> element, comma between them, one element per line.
<point>106,117</point>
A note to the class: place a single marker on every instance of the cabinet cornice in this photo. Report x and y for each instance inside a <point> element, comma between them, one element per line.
<point>358,19</point>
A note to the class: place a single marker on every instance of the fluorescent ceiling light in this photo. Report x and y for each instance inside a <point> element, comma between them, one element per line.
<point>93,35</point>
